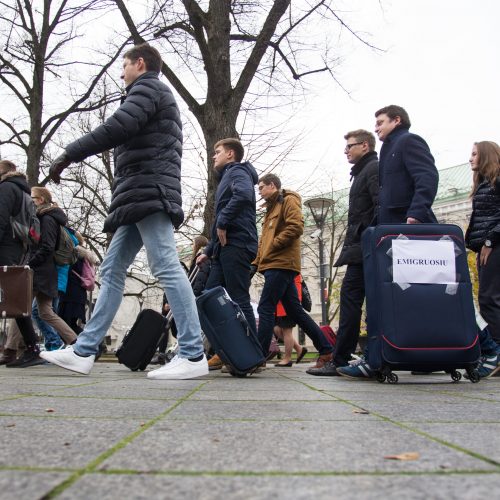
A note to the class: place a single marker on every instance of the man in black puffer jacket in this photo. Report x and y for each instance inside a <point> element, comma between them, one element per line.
<point>146,206</point>
<point>12,186</point>
<point>361,154</point>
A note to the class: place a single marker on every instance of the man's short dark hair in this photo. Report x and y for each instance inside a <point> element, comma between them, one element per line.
<point>151,56</point>
<point>362,136</point>
<point>7,166</point>
<point>233,144</point>
<point>392,111</point>
<point>268,179</point>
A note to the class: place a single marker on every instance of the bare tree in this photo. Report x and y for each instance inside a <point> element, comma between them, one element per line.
<point>37,39</point>
<point>233,55</point>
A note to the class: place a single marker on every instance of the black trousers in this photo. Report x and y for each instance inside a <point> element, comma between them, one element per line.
<point>231,269</point>
<point>352,295</point>
<point>489,293</point>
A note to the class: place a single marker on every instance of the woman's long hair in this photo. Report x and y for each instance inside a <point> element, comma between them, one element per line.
<point>198,243</point>
<point>488,163</point>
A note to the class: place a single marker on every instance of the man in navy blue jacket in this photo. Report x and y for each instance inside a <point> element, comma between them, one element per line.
<point>408,177</point>
<point>233,244</point>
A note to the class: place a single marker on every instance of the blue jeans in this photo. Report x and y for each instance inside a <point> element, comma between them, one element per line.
<point>50,336</point>
<point>279,285</point>
<point>156,233</point>
<point>487,344</point>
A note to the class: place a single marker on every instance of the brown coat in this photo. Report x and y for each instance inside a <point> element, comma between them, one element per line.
<point>279,245</point>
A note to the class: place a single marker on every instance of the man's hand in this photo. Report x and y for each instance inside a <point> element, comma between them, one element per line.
<point>253,270</point>
<point>201,258</point>
<point>57,167</point>
<point>411,220</point>
<point>483,256</point>
<point>221,233</point>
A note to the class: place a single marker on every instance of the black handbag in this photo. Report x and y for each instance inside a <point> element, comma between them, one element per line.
<point>306,297</point>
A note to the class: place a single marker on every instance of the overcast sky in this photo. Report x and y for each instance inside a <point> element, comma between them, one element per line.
<point>441,63</point>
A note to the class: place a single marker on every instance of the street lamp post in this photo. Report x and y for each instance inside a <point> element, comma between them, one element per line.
<point>319,208</point>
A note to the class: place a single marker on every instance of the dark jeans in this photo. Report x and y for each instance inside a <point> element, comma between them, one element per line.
<point>231,269</point>
<point>489,293</point>
<point>352,295</point>
<point>487,344</point>
<point>25,326</point>
<point>279,285</point>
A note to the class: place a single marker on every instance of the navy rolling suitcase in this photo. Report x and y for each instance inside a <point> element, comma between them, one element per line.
<point>227,330</point>
<point>420,312</point>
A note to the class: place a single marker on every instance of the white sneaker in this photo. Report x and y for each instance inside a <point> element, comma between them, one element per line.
<point>180,369</point>
<point>66,358</point>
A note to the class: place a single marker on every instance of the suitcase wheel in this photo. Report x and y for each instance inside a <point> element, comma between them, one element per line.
<point>456,376</point>
<point>237,374</point>
<point>381,378</point>
<point>392,378</point>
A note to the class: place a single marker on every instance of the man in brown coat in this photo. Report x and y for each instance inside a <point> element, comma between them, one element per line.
<point>278,259</point>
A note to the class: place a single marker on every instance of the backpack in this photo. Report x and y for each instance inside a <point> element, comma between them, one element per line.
<point>87,278</point>
<point>65,253</point>
<point>329,334</point>
<point>25,225</point>
<point>306,297</point>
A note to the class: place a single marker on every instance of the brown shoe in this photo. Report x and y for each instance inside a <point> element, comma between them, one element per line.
<point>8,356</point>
<point>214,363</point>
<point>322,359</point>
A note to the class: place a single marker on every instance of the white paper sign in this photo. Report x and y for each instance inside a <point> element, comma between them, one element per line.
<point>423,261</point>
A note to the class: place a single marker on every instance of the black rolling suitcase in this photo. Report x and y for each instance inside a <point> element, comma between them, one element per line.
<point>420,312</point>
<point>140,343</point>
<point>227,330</point>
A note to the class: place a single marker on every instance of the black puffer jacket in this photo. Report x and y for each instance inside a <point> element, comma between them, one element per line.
<point>362,202</point>
<point>485,219</point>
<point>12,185</point>
<point>42,261</point>
<point>146,131</point>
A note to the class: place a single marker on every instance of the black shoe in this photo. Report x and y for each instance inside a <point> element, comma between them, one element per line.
<point>29,358</point>
<point>327,370</point>
<point>302,354</point>
<point>284,365</point>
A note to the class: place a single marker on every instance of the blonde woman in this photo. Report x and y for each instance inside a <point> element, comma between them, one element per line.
<point>52,218</point>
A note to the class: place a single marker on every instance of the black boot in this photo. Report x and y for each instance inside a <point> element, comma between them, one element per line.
<point>29,358</point>
<point>7,356</point>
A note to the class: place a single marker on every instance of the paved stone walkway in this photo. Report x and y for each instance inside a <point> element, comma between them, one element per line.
<point>281,434</point>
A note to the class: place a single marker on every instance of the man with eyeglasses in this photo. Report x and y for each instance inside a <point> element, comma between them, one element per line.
<point>361,154</point>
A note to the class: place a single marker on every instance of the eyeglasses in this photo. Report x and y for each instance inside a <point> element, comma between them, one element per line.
<point>349,146</point>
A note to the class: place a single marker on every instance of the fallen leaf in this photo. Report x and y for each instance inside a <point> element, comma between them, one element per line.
<point>50,410</point>
<point>409,455</point>
<point>10,425</point>
<point>361,411</point>
<point>67,444</point>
